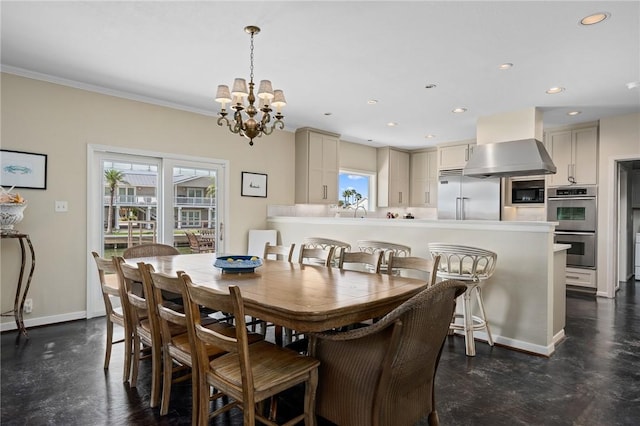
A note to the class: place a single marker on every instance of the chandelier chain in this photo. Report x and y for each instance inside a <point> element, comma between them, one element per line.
<point>251,59</point>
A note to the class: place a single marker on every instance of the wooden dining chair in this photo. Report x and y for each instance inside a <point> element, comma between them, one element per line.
<point>316,255</point>
<point>150,249</point>
<point>415,267</point>
<point>278,252</point>
<point>327,243</point>
<point>145,327</point>
<point>110,288</point>
<point>365,261</point>
<point>249,374</point>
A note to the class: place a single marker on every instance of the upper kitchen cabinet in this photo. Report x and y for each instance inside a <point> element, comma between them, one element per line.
<point>424,179</point>
<point>454,156</point>
<point>575,154</point>
<point>393,178</point>
<point>317,166</point>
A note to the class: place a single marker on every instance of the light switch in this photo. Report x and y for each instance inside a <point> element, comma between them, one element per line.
<point>62,206</point>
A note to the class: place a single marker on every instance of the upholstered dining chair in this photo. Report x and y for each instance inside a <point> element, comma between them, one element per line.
<point>384,374</point>
<point>249,374</point>
<point>110,287</point>
<point>415,267</point>
<point>150,249</point>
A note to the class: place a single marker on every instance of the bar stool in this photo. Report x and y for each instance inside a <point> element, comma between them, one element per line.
<point>387,249</point>
<point>471,265</point>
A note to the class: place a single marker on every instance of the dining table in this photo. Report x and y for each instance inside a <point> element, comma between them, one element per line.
<point>306,298</point>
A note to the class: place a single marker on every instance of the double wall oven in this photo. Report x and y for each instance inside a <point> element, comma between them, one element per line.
<point>574,208</point>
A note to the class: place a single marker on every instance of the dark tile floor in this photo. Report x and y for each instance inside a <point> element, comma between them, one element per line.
<point>56,377</point>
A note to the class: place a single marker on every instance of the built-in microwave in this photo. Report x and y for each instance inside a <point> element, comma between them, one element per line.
<point>527,191</point>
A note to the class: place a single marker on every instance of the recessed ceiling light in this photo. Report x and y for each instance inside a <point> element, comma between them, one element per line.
<point>459,110</point>
<point>430,136</point>
<point>554,90</point>
<point>328,113</point>
<point>392,124</point>
<point>505,66</point>
<point>430,86</point>
<point>574,112</point>
<point>372,101</point>
<point>594,18</point>
<point>633,85</point>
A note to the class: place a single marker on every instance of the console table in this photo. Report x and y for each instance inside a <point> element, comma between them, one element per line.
<point>21,295</point>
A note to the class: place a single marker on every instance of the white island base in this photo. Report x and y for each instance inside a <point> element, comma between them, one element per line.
<point>525,298</point>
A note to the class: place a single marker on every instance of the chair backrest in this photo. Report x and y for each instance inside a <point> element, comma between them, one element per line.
<point>148,250</point>
<point>278,252</point>
<point>427,268</point>
<point>464,262</point>
<point>366,261</point>
<point>326,243</point>
<point>108,280</point>
<point>232,302</point>
<point>316,255</point>
<point>140,298</point>
<point>387,249</point>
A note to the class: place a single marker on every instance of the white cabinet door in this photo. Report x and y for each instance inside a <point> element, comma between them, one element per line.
<point>575,154</point>
<point>393,178</point>
<point>424,179</point>
<point>454,157</point>
<point>560,144</point>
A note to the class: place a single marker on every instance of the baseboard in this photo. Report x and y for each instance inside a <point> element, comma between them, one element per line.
<point>35,322</point>
<point>519,344</point>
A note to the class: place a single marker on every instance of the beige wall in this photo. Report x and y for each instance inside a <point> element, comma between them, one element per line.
<point>358,157</point>
<point>60,121</point>
<point>619,139</point>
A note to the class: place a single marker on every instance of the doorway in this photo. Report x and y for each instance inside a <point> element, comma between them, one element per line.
<point>136,197</point>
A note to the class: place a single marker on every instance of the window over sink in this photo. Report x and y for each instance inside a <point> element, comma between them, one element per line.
<point>356,188</point>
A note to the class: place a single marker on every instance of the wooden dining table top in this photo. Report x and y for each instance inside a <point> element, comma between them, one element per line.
<point>306,298</point>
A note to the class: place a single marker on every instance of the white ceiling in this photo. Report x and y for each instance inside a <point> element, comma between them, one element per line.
<point>335,56</point>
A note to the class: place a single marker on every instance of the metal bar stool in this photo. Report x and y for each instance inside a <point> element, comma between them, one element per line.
<point>471,265</point>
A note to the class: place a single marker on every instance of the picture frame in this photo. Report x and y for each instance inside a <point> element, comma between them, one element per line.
<point>254,185</point>
<point>23,169</point>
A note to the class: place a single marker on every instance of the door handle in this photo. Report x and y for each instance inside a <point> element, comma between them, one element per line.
<point>221,233</point>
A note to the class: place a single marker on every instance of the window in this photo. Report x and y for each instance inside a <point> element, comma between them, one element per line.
<point>190,218</point>
<point>357,188</point>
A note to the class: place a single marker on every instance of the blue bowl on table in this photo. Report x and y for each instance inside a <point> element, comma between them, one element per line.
<point>238,264</point>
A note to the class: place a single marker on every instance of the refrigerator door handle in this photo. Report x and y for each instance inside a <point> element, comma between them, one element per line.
<point>458,202</point>
<point>462,207</point>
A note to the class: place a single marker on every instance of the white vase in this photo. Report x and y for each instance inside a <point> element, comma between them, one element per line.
<point>10,214</point>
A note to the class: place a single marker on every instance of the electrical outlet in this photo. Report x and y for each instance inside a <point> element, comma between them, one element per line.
<point>28,306</point>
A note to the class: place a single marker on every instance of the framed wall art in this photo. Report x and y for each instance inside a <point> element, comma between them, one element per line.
<point>23,169</point>
<point>254,185</point>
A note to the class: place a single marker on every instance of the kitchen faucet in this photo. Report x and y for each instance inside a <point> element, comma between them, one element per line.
<point>355,212</point>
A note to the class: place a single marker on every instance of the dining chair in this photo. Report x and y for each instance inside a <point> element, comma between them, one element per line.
<point>198,244</point>
<point>150,249</point>
<point>387,249</point>
<point>110,288</point>
<point>472,265</point>
<point>278,252</point>
<point>315,255</point>
<point>415,267</point>
<point>326,243</point>
<point>249,374</point>
<point>145,326</point>
<point>364,261</point>
<point>384,374</point>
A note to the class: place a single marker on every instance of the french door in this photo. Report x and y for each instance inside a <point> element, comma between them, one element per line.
<point>136,197</point>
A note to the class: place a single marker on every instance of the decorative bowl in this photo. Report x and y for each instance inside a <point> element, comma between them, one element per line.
<point>238,264</point>
<point>10,214</point>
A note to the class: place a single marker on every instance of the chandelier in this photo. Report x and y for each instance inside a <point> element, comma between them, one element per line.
<point>249,125</point>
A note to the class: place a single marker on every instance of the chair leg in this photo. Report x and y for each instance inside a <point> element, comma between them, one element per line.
<point>167,369</point>
<point>310,397</point>
<point>156,375</point>
<point>107,353</point>
<point>136,360</point>
<point>128,348</point>
<point>484,315</point>
<point>195,394</point>
<point>468,324</point>
<point>433,419</point>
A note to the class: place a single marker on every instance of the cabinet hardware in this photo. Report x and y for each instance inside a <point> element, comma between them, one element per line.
<point>570,277</point>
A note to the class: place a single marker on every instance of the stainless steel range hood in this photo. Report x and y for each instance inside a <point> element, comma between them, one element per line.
<point>524,157</point>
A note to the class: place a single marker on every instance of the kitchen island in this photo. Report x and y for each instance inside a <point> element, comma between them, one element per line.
<point>525,298</point>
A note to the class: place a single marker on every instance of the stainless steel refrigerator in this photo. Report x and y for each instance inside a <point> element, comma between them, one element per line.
<point>467,198</point>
